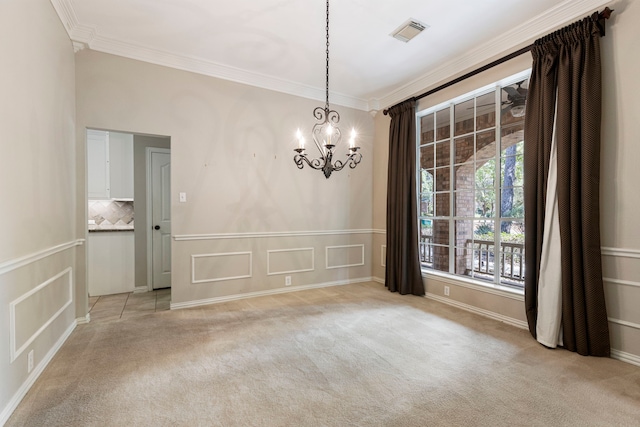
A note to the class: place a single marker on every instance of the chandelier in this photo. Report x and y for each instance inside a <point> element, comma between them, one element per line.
<point>326,135</point>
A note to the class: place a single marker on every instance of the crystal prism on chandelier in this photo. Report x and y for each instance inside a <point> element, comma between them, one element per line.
<point>326,135</point>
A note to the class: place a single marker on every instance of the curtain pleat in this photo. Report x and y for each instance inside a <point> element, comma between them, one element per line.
<point>567,62</point>
<point>403,261</point>
<point>538,131</point>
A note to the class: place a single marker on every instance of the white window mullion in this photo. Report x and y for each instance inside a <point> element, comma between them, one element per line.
<point>497,234</point>
<point>452,188</point>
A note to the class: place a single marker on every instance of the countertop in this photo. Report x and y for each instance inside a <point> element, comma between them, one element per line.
<point>108,230</point>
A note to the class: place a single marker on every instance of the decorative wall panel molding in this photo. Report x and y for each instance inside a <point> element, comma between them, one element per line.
<point>383,255</point>
<point>221,266</point>
<point>20,305</point>
<point>303,261</point>
<point>350,255</point>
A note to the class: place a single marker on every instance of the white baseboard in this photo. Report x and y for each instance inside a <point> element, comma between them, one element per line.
<point>277,291</point>
<point>625,357</point>
<point>31,379</point>
<point>140,289</point>
<point>83,320</point>
<point>486,313</point>
<point>378,280</point>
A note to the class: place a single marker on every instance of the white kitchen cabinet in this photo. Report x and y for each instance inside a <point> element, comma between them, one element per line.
<point>109,165</point>
<point>98,185</point>
<point>111,265</point>
<point>121,165</point>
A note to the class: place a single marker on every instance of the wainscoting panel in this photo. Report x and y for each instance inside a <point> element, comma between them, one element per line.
<point>30,314</point>
<point>621,268</point>
<point>284,261</point>
<point>344,256</point>
<point>253,263</point>
<point>622,298</point>
<point>383,255</point>
<point>221,266</point>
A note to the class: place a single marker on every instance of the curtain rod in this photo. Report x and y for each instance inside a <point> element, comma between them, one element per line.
<point>605,14</point>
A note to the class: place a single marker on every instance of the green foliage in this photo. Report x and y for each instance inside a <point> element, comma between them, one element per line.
<point>504,237</point>
<point>485,194</point>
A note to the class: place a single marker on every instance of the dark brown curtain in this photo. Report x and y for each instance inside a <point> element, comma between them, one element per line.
<point>403,261</point>
<point>564,97</point>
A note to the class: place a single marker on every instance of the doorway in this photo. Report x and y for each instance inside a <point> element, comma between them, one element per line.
<point>118,168</point>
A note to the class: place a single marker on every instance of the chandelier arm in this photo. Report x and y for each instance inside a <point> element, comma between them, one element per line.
<point>338,165</point>
<point>354,159</point>
<point>301,159</point>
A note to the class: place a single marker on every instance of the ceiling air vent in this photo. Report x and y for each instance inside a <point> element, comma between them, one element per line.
<point>408,30</point>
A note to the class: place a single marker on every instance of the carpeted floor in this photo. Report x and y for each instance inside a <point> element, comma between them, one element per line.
<point>353,355</point>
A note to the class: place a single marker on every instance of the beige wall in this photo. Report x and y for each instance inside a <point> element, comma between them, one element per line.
<point>620,204</point>
<point>37,187</point>
<point>231,152</point>
<point>619,201</point>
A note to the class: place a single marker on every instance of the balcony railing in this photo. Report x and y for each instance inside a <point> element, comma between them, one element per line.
<point>426,250</point>
<point>481,259</point>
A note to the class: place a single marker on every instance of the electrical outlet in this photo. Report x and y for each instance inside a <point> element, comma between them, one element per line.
<point>287,280</point>
<point>446,291</point>
<point>30,362</point>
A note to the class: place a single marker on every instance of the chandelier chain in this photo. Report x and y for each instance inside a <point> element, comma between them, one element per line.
<point>327,67</point>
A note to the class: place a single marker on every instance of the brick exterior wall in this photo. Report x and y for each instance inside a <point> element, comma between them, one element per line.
<point>436,159</point>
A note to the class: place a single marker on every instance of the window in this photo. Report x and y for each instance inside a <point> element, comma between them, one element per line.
<point>471,185</point>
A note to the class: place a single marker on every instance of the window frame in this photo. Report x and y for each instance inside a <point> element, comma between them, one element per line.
<point>497,218</point>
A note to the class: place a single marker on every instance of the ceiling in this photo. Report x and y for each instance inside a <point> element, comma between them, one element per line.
<point>280,44</point>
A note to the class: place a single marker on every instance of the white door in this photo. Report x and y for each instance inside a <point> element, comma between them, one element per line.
<point>161,218</point>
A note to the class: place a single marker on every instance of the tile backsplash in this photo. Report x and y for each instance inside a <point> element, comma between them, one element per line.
<point>111,215</point>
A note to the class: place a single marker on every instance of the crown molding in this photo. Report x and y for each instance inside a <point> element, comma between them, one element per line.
<point>66,14</point>
<point>553,18</point>
<point>91,38</point>
<point>518,37</point>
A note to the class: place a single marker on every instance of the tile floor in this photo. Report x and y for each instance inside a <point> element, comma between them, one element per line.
<point>128,305</point>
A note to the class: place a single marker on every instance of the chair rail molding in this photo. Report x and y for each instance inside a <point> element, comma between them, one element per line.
<point>266,234</point>
<point>13,264</point>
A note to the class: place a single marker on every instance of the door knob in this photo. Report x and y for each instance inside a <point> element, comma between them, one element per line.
<point>157,227</point>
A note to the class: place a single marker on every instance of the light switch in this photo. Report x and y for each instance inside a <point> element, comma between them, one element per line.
<point>183,197</point>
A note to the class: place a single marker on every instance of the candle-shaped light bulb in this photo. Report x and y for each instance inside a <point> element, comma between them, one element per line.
<point>329,132</point>
<point>300,139</point>
<point>352,140</point>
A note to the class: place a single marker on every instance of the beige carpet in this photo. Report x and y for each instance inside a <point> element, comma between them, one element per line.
<point>353,355</point>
